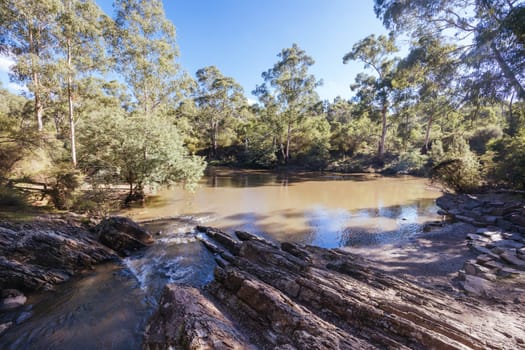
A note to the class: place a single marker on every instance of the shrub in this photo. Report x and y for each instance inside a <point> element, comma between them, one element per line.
<point>412,162</point>
<point>64,183</point>
<point>10,197</point>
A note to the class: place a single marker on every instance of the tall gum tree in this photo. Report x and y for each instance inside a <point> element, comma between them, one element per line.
<point>81,50</point>
<point>376,54</point>
<point>490,37</point>
<point>293,87</point>
<point>219,98</point>
<point>26,27</point>
<point>145,52</point>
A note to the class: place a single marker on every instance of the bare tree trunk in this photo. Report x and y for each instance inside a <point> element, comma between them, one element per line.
<point>427,133</point>
<point>508,71</point>
<point>288,137</point>
<point>381,149</point>
<point>38,109</point>
<point>70,105</point>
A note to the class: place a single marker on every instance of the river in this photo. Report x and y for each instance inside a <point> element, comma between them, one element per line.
<point>108,308</point>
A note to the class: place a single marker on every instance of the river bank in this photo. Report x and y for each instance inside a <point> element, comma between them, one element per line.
<point>443,265</point>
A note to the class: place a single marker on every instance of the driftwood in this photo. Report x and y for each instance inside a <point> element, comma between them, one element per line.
<point>302,297</point>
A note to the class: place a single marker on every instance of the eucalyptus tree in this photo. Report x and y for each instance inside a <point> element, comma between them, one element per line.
<point>376,54</point>
<point>490,37</point>
<point>293,88</point>
<point>80,52</point>
<point>145,52</point>
<point>27,34</point>
<point>427,78</point>
<point>219,98</point>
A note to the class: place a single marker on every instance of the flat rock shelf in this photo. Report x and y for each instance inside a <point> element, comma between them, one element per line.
<point>287,296</point>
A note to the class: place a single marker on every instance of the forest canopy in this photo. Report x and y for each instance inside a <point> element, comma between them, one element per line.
<point>452,107</point>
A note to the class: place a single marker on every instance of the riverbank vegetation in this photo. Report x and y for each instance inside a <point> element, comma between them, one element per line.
<point>105,102</point>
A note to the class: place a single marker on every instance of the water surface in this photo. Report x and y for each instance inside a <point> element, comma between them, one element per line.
<point>319,209</point>
<point>108,308</point>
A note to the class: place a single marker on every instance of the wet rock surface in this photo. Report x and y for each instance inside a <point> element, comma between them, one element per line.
<point>304,297</point>
<point>122,235</point>
<point>37,255</point>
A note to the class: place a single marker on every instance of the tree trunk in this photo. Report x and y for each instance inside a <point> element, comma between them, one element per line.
<point>70,104</point>
<point>288,137</point>
<point>508,72</point>
<point>427,133</point>
<point>381,149</point>
<point>38,109</point>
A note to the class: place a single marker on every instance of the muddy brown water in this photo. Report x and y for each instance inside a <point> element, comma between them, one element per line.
<point>108,308</point>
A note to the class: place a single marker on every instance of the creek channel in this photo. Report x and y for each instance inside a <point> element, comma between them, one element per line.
<point>108,308</point>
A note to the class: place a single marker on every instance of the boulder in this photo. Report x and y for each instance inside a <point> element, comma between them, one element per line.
<point>43,253</point>
<point>122,235</point>
<point>11,299</point>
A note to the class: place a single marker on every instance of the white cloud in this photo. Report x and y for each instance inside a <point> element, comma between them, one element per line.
<point>251,101</point>
<point>5,63</point>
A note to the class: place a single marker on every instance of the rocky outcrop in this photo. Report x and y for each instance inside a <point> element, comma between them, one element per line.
<point>302,297</point>
<point>38,255</point>
<point>499,240</point>
<point>482,211</point>
<point>122,235</point>
<point>186,317</point>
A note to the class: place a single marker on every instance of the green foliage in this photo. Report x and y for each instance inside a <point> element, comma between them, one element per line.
<point>138,150</point>
<point>508,155</point>
<point>313,144</point>
<point>64,182</point>
<point>289,92</point>
<point>459,168</point>
<point>412,162</point>
<point>98,201</point>
<point>12,198</point>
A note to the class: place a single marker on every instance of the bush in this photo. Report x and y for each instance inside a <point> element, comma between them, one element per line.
<point>508,161</point>
<point>64,183</point>
<point>12,198</point>
<point>97,202</point>
<point>412,162</point>
<point>460,174</point>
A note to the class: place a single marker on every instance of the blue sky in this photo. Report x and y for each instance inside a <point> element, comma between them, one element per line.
<point>243,37</point>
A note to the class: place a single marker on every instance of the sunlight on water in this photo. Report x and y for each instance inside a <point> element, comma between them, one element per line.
<point>325,210</point>
<point>108,309</point>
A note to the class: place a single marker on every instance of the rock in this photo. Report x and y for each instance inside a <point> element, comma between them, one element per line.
<point>303,297</point>
<point>23,317</point>
<point>471,268</point>
<point>5,326</point>
<point>513,259</point>
<point>505,243</point>
<point>223,238</point>
<point>517,219</point>
<point>493,264</point>
<point>476,237</point>
<point>476,286</point>
<point>122,235</point>
<point>43,253</point>
<point>509,272</point>
<point>491,219</point>
<point>483,258</point>
<point>482,249</point>
<point>186,318</point>
<point>11,299</point>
